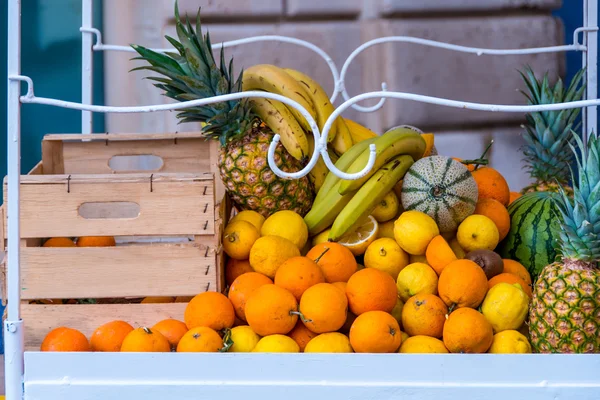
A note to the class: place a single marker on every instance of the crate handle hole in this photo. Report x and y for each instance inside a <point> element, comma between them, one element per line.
<point>137,162</point>
<point>109,210</point>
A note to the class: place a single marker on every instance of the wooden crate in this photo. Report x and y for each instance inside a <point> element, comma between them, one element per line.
<point>167,223</point>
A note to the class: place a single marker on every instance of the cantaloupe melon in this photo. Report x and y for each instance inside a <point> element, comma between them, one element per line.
<point>442,188</point>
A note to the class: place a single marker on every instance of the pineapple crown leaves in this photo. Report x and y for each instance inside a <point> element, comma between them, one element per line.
<point>580,231</point>
<point>192,73</point>
<point>547,133</point>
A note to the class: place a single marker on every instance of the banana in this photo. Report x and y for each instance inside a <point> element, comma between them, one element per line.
<point>342,140</point>
<point>389,145</point>
<point>342,164</point>
<point>319,98</point>
<point>334,157</point>
<point>319,172</point>
<point>273,79</point>
<point>281,121</point>
<point>369,195</point>
<point>323,213</point>
<point>359,132</point>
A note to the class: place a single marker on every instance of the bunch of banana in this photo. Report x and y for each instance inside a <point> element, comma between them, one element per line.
<point>344,204</point>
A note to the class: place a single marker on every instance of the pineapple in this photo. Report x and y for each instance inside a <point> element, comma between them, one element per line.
<point>191,73</point>
<point>565,309</point>
<point>548,133</point>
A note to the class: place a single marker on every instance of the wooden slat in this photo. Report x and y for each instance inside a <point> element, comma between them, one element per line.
<point>114,137</point>
<point>52,157</point>
<point>41,319</point>
<point>122,271</point>
<point>2,227</point>
<point>37,170</point>
<point>172,204</point>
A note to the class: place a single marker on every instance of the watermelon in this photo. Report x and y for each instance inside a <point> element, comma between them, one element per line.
<point>532,237</point>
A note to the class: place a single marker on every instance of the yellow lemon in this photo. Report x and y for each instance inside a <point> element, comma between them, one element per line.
<point>387,208</point>
<point>287,224</point>
<point>386,230</point>
<point>510,342</point>
<point>422,344</point>
<point>397,311</point>
<point>420,259</point>
<point>251,216</point>
<point>404,337</point>
<point>276,344</point>
<point>269,252</point>
<point>505,306</point>
<point>359,267</point>
<point>321,237</point>
<point>413,231</point>
<point>417,278</point>
<point>386,255</point>
<point>333,342</point>
<point>455,246</point>
<point>477,232</point>
<point>238,239</point>
<point>358,241</point>
<point>244,339</point>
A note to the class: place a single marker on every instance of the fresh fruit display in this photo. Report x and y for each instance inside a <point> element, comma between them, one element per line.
<point>565,310</point>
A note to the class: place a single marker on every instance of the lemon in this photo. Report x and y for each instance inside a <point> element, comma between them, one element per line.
<point>386,230</point>
<point>288,225</point>
<point>422,344</point>
<point>416,278</point>
<point>413,231</point>
<point>404,337</point>
<point>238,239</point>
<point>244,339</point>
<point>420,259</point>
<point>505,306</point>
<point>269,252</point>
<point>359,267</point>
<point>321,237</point>
<point>361,238</point>
<point>458,251</point>
<point>276,344</point>
<point>387,207</point>
<point>251,216</point>
<point>333,342</point>
<point>397,311</point>
<point>386,255</point>
<point>510,342</point>
<point>477,232</point>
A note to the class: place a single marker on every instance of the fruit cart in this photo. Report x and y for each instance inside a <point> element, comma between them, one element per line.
<point>96,375</point>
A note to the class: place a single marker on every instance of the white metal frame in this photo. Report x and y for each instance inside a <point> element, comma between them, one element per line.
<point>35,375</point>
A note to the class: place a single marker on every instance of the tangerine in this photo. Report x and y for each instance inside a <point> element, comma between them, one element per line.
<point>335,260</point>
<point>172,329</point>
<point>200,339</point>
<point>301,334</point>
<point>512,279</point>
<point>235,268</point>
<point>297,274</point>
<point>96,241</point>
<point>242,288</point>
<point>516,268</point>
<point>65,339</point>
<point>439,254</point>
<point>145,340</point>
<point>210,309</point>
<point>271,310</point>
<point>467,331</point>
<point>371,289</point>
<point>497,212</point>
<point>324,308</point>
<point>59,242</point>
<point>375,332</point>
<point>491,185</point>
<point>424,314</point>
<point>110,336</point>
<point>462,284</point>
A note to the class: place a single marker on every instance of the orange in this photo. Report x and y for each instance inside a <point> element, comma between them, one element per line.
<point>271,310</point>
<point>336,261</point>
<point>200,339</point>
<point>298,274</point>
<point>375,332</point>
<point>371,289</point>
<point>110,336</point>
<point>516,268</point>
<point>512,279</point>
<point>183,299</point>
<point>242,288</point>
<point>211,309</point>
<point>302,335</point>
<point>439,254</point>
<point>158,299</point>
<point>65,339</point>
<point>514,196</point>
<point>467,331</point>
<point>341,285</point>
<point>470,167</point>
<point>495,211</point>
<point>462,284</point>
<point>235,268</point>
<point>424,314</point>
<point>429,139</point>
<point>172,329</point>
<point>59,242</point>
<point>324,308</point>
<point>145,340</point>
<point>96,241</point>
<point>491,185</point>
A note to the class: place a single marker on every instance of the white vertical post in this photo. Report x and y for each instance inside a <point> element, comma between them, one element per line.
<point>86,64</point>
<point>13,326</point>
<point>592,66</point>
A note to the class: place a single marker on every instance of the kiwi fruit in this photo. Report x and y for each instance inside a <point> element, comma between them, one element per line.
<point>490,261</point>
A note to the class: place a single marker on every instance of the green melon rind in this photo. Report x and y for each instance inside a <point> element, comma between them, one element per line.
<point>531,240</point>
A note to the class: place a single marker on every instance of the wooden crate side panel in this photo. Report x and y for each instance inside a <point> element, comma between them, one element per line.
<point>41,319</point>
<point>52,157</point>
<point>37,170</point>
<point>122,271</point>
<point>180,205</point>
